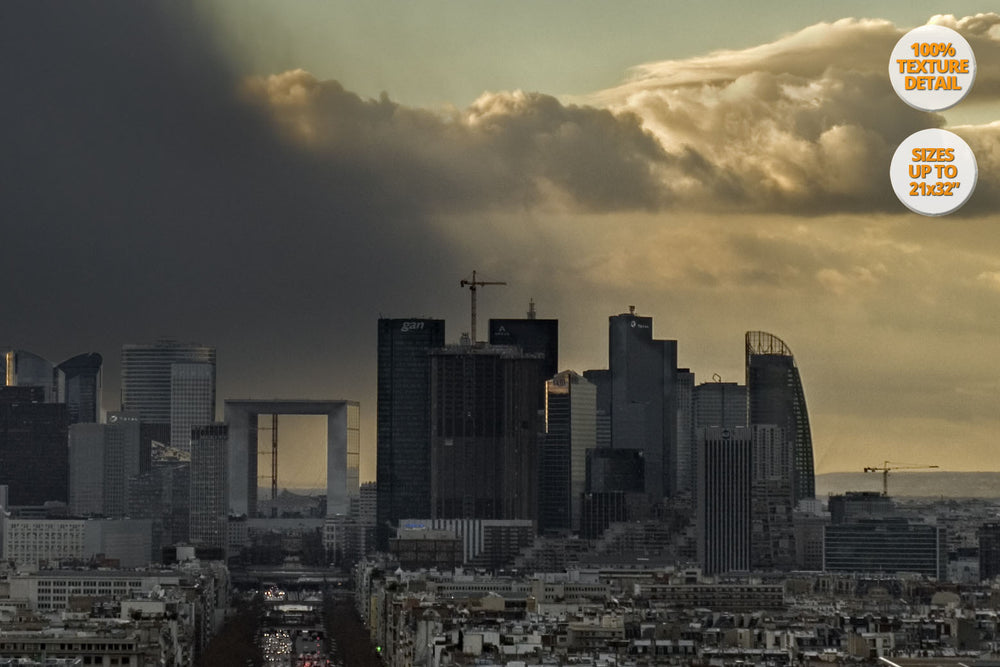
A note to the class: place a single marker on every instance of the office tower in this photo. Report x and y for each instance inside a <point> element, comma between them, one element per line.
<point>86,469</point>
<point>570,430</point>
<point>615,470</point>
<point>772,521</point>
<point>82,375</point>
<point>644,398</point>
<point>532,335</point>
<point>403,420</point>
<point>684,473</point>
<point>122,460</point>
<point>725,477</point>
<point>25,369</point>
<point>720,403</point>
<point>775,396</point>
<point>886,546</point>
<point>192,401</point>
<point>484,431</point>
<point>209,513</point>
<point>146,382</point>
<point>989,550</point>
<point>601,379</point>
<point>34,454</point>
<point>102,460</point>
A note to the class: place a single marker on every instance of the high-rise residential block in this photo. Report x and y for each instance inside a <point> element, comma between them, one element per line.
<point>403,467</point>
<point>775,396</point>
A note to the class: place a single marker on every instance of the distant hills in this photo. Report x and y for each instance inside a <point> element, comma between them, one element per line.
<point>930,483</point>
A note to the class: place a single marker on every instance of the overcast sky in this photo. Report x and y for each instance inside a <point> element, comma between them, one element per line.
<point>271,177</point>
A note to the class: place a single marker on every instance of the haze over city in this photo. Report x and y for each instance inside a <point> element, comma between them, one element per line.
<point>270,179</point>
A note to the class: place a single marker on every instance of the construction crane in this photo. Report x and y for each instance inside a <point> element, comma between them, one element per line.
<point>473,284</point>
<point>886,467</point>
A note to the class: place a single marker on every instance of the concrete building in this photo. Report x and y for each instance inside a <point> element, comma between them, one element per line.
<point>886,545</point>
<point>343,449</point>
<point>82,375</point>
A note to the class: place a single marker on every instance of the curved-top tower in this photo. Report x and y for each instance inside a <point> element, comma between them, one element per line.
<point>775,396</point>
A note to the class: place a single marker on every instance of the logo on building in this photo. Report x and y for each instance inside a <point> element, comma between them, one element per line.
<point>412,326</point>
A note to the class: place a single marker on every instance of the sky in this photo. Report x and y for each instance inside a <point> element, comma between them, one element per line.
<point>270,178</point>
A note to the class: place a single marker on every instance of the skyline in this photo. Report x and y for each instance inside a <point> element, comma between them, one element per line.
<point>158,183</point>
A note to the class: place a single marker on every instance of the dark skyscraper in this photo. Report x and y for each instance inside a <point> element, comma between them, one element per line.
<point>34,450</point>
<point>775,396</point>
<point>644,398</point>
<point>485,424</point>
<point>570,431</point>
<point>83,387</point>
<point>403,420</point>
<point>725,478</point>
<point>533,336</point>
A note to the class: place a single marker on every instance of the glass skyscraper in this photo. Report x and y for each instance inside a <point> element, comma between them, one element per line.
<point>775,396</point>
<point>147,380</point>
<point>403,419</point>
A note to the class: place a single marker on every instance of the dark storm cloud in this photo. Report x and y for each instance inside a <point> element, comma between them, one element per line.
<point>140,195</point>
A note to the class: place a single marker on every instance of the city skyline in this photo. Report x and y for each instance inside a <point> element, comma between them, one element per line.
<point>215,175</point>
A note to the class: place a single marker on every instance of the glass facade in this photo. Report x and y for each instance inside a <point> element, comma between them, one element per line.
<point>403,419</point>
<point>775,396</point>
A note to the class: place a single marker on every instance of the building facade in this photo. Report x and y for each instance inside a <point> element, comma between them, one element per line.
<point>485,425</point>
<point>725,482</point>
<point>775,396</point>
<point>34,456</point>
<point>208,509</point>
<point>403,466</point>
<point>570,430</point>
<point>644,398</point>
<point>192,401</point>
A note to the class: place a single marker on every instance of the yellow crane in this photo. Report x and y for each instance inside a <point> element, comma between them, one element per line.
<point>886,467</point>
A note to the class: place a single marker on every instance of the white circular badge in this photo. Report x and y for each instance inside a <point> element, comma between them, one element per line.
<point>932,68</point>
<point>933,172</point>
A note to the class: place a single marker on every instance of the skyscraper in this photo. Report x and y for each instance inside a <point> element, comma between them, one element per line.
<point>532,335</point>
<point>403,428</point>
<point>146,382</point>
<point>102,460</point>
<point>209,511</point>
<point>775,396</point>
<point>570,430</point>
<point>26,369</point>
<point>192,401</point>
<point>720,403</point>
<point>83,387</point>
<point>644,398</point>
<point>484,432</point>
<point>725,474</point>
<point>34,455</point>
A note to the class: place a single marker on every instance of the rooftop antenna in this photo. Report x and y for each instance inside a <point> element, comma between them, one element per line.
<point>473,284</point>
<point>531,309</point>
